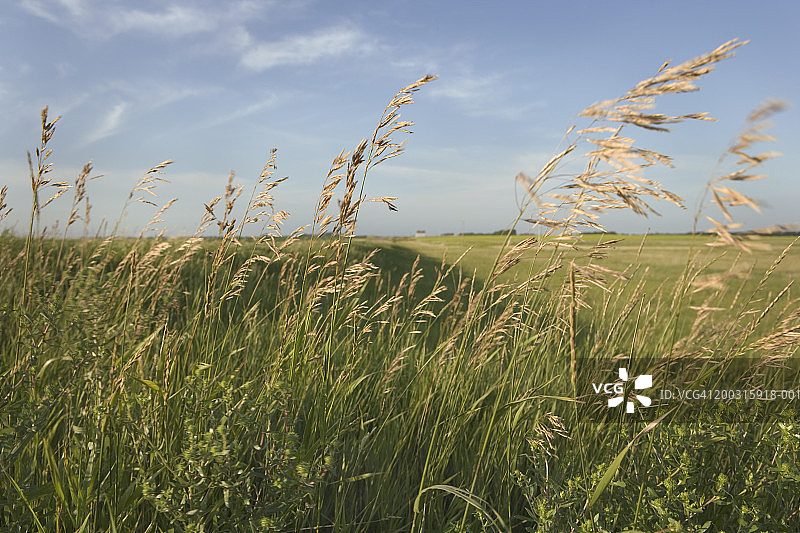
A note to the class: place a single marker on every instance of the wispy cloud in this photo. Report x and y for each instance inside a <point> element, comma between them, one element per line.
<point>467,89</point>
<point>483,95</point>
<point>110,123</point>
<point>104,20</point>
<point>56,12</point>
<point>175,20</point>
<point>242,112</point>
<point>416,65</point>
<point>154,95</point>
<point>226,24</point>
<point>123,99</point>
<point>304,49</point>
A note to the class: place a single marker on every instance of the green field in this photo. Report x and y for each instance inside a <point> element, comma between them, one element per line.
<point>148,390</point>
<point>665,256</point>
<point>331,383</point>
<point>656,261</point>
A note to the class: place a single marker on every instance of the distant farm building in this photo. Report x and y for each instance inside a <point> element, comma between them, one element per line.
<point>420,233</point>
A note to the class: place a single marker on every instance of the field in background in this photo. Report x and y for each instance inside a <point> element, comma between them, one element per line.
<point>664,256</point>
<point>655,259</point>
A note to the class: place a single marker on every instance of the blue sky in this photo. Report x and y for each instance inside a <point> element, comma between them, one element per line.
<point>214,85</point>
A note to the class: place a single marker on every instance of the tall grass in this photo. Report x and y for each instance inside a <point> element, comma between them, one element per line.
<point>298,384</point>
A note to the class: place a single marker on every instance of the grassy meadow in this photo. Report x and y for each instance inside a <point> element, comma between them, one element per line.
<point>256,381</point>
<point>664,257</point>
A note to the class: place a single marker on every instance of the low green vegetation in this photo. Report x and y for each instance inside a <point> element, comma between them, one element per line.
<point>665,256</point>
<point>332,383</point>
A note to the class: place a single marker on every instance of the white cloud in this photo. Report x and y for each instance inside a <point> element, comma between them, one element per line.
<point>225,22</point>
<point>104,20</point>
<point>110,123</point>
<point>304,49</point>
<point>466,89</point>
<point>130,98</point>
<point>242,112</point>
<point>416,65</point>
<point>40,9</point>
<point>174,20</point>
<point>484,96</point>
<point>237,38</point>
<point>154,95</point>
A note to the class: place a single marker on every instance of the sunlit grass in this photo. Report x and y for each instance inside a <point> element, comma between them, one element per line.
<point>331,383</point>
